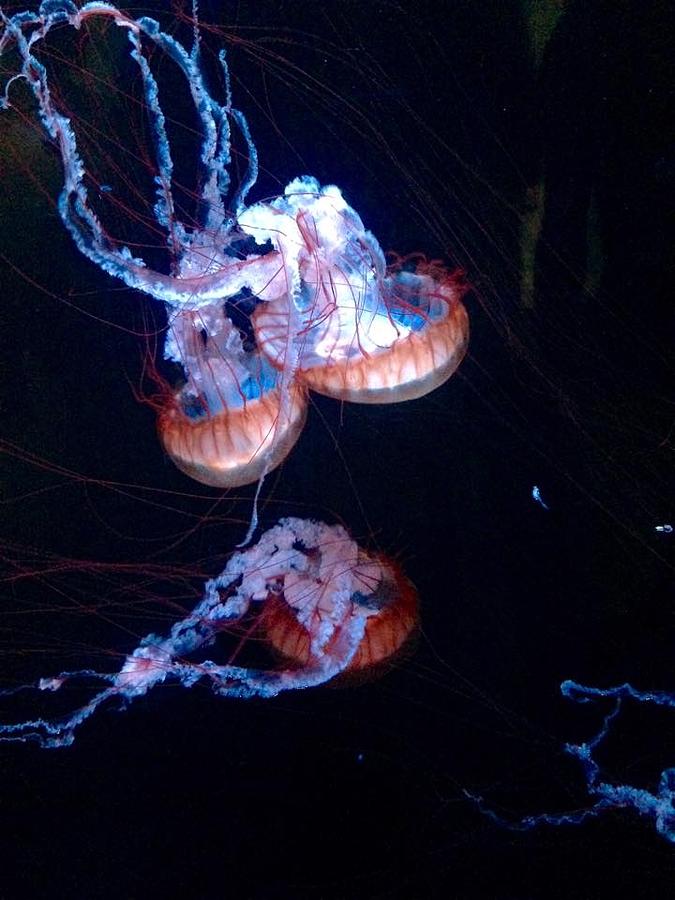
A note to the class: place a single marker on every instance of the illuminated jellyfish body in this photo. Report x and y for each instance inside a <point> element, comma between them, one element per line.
<point>322,604</point>
<point>327,313</point>
<point>357,332</point>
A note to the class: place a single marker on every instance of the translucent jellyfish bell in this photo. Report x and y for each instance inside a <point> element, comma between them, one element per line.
<point>317,600</point>
<point>386,598</point>
<point>233,419</point>
<point>362,333</point>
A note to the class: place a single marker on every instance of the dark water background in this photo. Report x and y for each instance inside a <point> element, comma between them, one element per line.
<point>357,793</point>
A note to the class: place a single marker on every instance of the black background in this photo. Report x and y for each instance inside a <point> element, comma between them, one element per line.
<point>431,119</point>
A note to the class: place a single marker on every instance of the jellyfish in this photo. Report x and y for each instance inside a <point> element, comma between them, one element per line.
<point>324,311</point>
<point>324,606</point>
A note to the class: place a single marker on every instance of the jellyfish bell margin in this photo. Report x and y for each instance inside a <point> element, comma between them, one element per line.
<point>325,312</point>
<point>320,601</point>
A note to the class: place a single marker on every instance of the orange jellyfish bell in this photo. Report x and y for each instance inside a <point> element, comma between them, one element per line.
<point>235,419</point>
<point>386,598</point>
<point>398,342</point>
<point>356,330</point>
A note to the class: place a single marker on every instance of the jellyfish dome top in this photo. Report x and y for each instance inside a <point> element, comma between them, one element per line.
<point>325,311</point>
<point>323,606</point>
